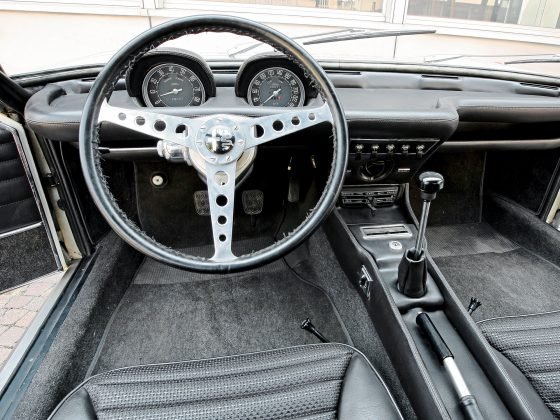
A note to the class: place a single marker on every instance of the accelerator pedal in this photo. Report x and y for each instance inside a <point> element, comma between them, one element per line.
<point>253,201</point>
<point>201,203</point>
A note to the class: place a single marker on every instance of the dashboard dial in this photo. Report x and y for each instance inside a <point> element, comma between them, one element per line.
<point>172,85</point>
<point>276,86</point>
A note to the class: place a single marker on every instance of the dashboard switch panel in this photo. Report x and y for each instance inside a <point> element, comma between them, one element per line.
<point>387,160</point>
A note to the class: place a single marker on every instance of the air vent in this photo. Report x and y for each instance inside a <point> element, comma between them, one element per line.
<point>439,76</point>
<point>440,82</point>
<point>385,231</point>
<point>534,85</point>
<point>538,89</point>
<point>347,72</point>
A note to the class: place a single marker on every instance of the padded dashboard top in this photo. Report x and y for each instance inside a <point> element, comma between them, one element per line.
<point>377,105</point>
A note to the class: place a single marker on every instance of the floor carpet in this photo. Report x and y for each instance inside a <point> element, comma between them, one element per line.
<point>509,280</point>
<point>186,317</point>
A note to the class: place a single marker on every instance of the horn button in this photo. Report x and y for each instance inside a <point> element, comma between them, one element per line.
<point>219,141</point>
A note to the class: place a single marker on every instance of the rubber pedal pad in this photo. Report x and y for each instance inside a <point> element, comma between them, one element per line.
<point>201,203</point>
<point>253,201</point>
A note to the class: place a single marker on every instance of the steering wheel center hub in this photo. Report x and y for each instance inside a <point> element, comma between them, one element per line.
<point>220,139</point>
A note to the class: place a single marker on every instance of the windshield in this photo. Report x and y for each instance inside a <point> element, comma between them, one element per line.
<point>520,35</point>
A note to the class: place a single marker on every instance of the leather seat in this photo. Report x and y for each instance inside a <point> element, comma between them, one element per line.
<point>531,343</point>
<point>323,381</point>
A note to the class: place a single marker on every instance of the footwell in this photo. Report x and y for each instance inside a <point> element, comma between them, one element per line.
<point>508,279</point>
<point>187,316</point>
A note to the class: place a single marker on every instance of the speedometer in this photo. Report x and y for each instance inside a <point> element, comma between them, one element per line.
<point>276,86</point>
<point>172,85</point>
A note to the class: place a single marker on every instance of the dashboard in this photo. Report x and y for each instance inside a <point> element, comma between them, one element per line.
<point>398,115</point>
<point>179,78</point>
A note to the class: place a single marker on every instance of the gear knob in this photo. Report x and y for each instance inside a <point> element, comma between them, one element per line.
<point>430,184</point>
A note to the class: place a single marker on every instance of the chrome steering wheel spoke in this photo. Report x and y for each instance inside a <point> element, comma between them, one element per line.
<point>220,179</point>
<point>264,129</point>
<point>170,128</point>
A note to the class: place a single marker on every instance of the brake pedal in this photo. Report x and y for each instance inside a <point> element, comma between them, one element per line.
<point>201,203</point>
<point>253,201</point>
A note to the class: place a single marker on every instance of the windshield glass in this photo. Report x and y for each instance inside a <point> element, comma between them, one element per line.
<point>520,35</point>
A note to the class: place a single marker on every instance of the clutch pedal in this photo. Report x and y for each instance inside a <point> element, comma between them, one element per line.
<point>201,203</point>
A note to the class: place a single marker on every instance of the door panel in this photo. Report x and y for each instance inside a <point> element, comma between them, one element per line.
<point>17,204</point>
<point>27,248</point>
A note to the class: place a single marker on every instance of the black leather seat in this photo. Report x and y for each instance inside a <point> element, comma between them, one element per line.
<point>531,343</point>
<point>323,381</point>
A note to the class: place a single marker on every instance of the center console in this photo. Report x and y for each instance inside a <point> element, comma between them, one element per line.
<point>372,231</point>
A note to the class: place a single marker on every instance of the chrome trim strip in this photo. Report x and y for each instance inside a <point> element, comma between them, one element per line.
<point>20,230</point>
<point>406,234</point>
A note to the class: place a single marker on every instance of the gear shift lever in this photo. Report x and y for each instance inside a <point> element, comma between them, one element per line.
<point>412,268</point>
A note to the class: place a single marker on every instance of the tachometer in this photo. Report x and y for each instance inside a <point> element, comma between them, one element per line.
<point>276,86</point>
<point>172,85</point>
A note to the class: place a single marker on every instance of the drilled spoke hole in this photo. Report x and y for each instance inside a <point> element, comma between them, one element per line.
<point>159,125</point>
<point>222,220</point>
<point>278,125</point>
<point>221,178</point>
<point>258,131</point>
<point>221,200</point>
<point>295,121</point>
<point>222,238</point>
<point>140,120</point>
<point>122,116</point>
<point>182,130</point>
<point>312,116</point>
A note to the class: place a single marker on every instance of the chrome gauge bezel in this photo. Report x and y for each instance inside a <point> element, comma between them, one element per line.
<point>276,68</point>
<point>153,70</point>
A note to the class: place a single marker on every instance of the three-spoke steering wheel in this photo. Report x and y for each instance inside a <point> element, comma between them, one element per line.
<point>220,139</point>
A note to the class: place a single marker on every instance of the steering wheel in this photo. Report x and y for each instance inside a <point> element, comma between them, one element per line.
<point>219,138</point>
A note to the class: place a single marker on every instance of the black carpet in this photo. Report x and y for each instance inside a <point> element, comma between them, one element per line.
<point>24,257</point>
<point>466,239</point>
<point>330,276</point>
<point>194,319</point>
<point>508,279</point>
<point>72,350</point>
<point>460,201</point>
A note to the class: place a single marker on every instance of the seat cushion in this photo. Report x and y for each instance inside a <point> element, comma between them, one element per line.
<point>323,381</point>
<point>532,344</point>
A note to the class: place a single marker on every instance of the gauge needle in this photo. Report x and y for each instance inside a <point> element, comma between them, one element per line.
<point>274,94</point>
<point>174,92</point>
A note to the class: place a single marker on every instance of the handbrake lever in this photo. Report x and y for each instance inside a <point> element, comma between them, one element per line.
<point>467,401</point>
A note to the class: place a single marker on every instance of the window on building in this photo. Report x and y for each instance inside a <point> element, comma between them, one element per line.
<point>541,13</point>
<point>375,6</point>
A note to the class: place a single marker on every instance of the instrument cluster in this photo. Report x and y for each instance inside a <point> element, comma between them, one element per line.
<point>180,78</point>
<point>171,78</point>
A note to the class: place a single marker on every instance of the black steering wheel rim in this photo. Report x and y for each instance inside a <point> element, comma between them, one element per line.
<point>104,86</point>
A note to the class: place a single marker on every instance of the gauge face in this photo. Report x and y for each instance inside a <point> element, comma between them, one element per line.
<point>276,86</point>
<point>172,85</point>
